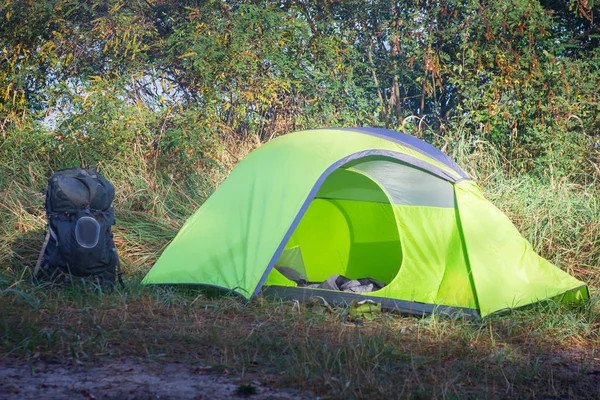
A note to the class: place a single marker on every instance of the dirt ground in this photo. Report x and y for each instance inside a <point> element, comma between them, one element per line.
<point>130,378</point>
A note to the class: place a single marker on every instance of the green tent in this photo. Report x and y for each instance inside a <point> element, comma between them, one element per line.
<point>361,202</point>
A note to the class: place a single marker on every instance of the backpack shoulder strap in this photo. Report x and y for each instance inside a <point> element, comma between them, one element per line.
<point>38,264</point>
<point>119,272</point>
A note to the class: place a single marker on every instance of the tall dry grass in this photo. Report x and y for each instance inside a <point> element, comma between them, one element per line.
<point>559,217</point>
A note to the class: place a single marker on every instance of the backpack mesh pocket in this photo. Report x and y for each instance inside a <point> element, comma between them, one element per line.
<point>87,232</point>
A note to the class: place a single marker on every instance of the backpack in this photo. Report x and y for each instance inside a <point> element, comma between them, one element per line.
<point>79,242</point>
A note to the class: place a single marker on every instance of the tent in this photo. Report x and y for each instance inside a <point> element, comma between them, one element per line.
<point>361,202</point>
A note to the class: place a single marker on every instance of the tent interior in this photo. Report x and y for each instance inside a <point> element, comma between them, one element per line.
<point>354,225</point>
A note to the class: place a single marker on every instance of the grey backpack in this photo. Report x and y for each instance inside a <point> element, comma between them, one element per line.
<point>79,241</point>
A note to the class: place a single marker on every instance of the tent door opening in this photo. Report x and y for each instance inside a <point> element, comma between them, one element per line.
<point>349,229</point>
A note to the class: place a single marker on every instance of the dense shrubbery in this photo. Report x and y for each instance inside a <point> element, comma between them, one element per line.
<point>83,82</point>
<point>166,96</point>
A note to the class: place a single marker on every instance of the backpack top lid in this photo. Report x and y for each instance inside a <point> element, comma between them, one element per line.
<point>78,188</point>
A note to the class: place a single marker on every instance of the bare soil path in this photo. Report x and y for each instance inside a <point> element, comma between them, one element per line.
<point>131,378</point>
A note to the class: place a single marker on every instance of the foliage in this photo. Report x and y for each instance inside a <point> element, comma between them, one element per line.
<point>166,97</point>
<point>174,78</point>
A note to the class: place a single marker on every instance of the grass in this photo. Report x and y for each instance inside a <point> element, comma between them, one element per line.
<point>543,351</point>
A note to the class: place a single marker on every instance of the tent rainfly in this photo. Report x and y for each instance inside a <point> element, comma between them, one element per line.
<point>361,202</point>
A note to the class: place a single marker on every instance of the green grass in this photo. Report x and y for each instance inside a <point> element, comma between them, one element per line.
<point>543,351</point>
<point>546,350</point>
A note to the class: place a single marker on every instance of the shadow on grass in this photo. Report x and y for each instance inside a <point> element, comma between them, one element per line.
<point>25,250</point>
<point>535,353</point>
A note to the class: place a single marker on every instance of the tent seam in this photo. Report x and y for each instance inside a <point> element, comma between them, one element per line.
<point>463,175</point>
<point>465,252</point>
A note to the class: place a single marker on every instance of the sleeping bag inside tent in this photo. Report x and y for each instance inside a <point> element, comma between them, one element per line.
<point>355,214</point>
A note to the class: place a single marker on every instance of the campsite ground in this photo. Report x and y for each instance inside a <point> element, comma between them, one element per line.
<point>179,343</point>
<point>118,344</point>
<point>129,378</point>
